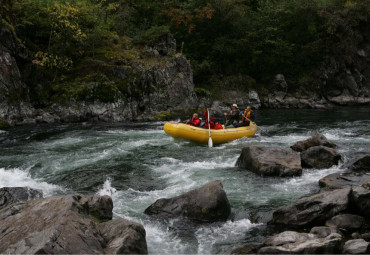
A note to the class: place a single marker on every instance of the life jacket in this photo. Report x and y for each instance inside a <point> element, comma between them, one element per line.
<point>212,122</point>
<point>195,122</point>
<point>247,114</point>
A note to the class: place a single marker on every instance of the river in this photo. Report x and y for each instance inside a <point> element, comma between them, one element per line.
<point>137,163</point>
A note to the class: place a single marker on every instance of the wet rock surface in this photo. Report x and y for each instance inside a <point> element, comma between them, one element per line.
<point>360,198</point>
<point>207,203</point>
<point>319,157</point>
<point>68,224</point>
<point>312,210</point>
<point>11,195</point>
<point>341,180</point>
<point>270,161</point>
<point>356,246</point>
<point>290,242</point>
<point>348,222</point>
<point>315,140</point>
<point>361,165</point>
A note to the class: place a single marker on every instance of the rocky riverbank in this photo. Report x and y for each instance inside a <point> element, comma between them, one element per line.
<point>153,82</point>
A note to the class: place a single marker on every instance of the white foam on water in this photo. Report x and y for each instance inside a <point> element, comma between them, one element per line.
<point>107,189</point>
<point>2,131</point>
<point>161,240</point>
<point>309,176</point>
<point>231,231</point>
<point>20,178</point>
<point>133,131</point>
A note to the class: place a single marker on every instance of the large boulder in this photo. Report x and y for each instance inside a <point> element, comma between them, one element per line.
<point>319,157</point>
<point>312,210</point>
<point>341,180</point>
<point>349,222</point>
<point>11,195</point>
<point>315,140</point>
<point>356,246</point>
<point>270,161</point>
<point>123,237</point>
<point>361,164</point>
<point>207,203</point>
<point>360,198</point>
<point>290,242</point>
<point>67,224</point>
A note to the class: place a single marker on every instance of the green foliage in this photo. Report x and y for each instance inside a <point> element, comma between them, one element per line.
<point>152,34</point>
<point>202,92</point>
<point>221,38</point>
<point>4,124</point>
<point>165,116</point>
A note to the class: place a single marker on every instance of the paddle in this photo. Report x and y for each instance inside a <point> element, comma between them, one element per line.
<point>253,122</point>
<point>210,142</point>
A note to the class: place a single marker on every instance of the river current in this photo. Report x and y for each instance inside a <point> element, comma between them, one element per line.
<point>137,163</point>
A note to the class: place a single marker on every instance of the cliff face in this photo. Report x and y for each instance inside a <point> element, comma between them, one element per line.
<point>147,84</point>
<point>338,80</point>
<point>14,64</point>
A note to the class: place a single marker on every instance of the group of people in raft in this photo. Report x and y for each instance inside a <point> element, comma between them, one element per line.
<point>232,121</point>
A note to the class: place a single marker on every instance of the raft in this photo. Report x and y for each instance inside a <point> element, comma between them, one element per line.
<point>200,135</point>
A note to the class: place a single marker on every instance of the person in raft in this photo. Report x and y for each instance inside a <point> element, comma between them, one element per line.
<point>234,115</point>
<point>212,121</point>
<point>248,116</point>
<point>195,121</point>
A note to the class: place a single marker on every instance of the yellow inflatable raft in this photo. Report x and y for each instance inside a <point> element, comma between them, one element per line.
<point>200,135</point>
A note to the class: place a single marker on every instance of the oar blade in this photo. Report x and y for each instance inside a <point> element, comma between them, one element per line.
<point>210,142</point>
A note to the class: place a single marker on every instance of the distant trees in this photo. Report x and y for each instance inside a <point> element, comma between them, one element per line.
<point>255,37</point>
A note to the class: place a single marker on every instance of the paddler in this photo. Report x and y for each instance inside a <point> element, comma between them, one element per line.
<point>195,121</point>
<point>234,115</point>
<point>247,116</point>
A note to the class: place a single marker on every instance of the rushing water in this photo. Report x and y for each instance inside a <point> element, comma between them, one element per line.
<point>137,164</point>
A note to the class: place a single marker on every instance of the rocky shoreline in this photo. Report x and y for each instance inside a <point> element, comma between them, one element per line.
<point>157,84</point>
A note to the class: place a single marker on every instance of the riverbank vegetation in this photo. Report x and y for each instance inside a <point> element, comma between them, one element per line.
<point>252,39</point>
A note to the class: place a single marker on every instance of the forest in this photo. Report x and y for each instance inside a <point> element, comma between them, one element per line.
<point>221,38</point>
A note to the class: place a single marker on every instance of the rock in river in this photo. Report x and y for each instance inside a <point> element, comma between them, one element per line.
<point>11,195</point>
<point>341,180</point>
<point>207,203</point>
<point>290,242</point>
<point>319,157</point>
<point>361,164</point>
<point>67,224</point>
<point>360,198</point>
<point>356,246</point>
<point>312,210</point>
<point>270,161</point>
<point>349,222</point>
<point>315,140</point>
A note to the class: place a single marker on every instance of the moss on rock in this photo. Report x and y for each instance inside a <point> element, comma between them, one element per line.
<point>4,124</point>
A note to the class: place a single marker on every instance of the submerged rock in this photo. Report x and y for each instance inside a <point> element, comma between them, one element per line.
<point>312,210</point>
<point>11,195</point>
<point>349,222</point>
<point>270,161</point>
<point>207,203</point>
<point>66,224</point>
<point>356,246</point>
<point>341,180</point>
<point>315,140</point>
<point>290,242</point>
<point>319,157</point>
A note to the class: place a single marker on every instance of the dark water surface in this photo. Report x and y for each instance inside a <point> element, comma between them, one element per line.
<point>137,164</point>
